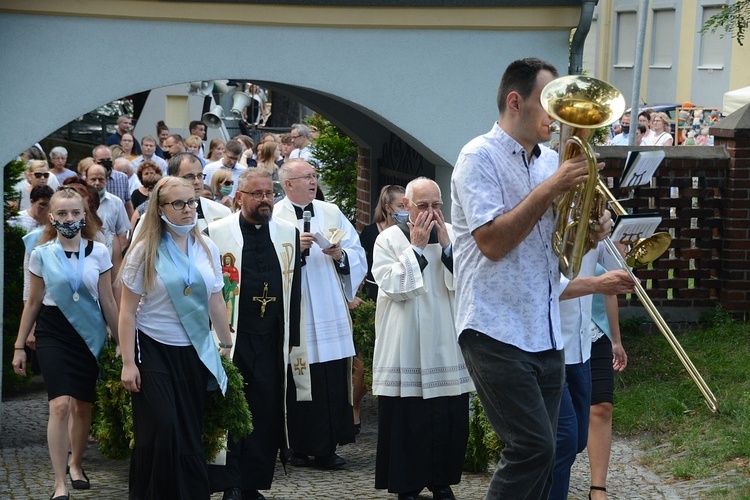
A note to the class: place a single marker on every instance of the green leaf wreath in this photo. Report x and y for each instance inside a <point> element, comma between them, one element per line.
<point>113,413</point>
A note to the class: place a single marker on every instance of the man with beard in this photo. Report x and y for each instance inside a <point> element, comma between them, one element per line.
<point>266,253</point>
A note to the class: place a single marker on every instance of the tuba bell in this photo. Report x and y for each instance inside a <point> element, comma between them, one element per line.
<point>581,104</point>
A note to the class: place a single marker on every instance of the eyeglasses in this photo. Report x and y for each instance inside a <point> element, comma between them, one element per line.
<point>295,136</point>
<point>259,195</point>
<point>180,205</point>
<point>424,206</point>
<point>39,175</point>
<point>307,177</point>
<point>192,177</point>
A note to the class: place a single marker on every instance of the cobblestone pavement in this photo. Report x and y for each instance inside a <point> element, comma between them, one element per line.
<point>26,473</point>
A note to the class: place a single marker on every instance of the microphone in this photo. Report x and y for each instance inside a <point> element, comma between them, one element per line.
<point>306,216</point>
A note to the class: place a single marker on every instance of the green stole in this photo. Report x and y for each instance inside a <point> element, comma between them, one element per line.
<point>85,315</point>
<point>192,310</point>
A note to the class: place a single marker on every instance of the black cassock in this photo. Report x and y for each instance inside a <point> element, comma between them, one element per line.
<point>258,354</point>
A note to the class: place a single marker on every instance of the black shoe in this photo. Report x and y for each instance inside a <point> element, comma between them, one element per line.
<point>59,497</point>
<point>442,493</point>
<point>409,495</point>
<point>252,495</point>
<point>299,460</point>
<point>80,484</point>
<point>596,488</point>
<point>357,428</point>
<point>232,494</point>
<point>330,462</point>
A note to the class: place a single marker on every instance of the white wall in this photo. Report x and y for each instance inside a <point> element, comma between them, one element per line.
<point>437,86</point>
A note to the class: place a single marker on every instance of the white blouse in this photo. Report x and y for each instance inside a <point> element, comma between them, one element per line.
<point>156,315</point>
<point>96,263</point>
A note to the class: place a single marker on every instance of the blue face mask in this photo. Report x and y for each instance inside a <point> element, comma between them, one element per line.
<point>226,190</point>
<point>180,230</point>
<point>401,217</point>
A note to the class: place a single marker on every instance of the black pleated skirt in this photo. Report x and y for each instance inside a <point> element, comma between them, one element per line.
<point>168,460</point>
<point>68,366</point>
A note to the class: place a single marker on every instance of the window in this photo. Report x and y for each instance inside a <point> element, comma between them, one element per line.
<point>627,28</point>
<point>712,47</point>
<point>662,39</point>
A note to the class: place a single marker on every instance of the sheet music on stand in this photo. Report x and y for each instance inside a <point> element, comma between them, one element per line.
<point>640,167</point>
<point>629,229</point>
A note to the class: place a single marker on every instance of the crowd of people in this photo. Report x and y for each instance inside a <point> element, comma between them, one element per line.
<point>188,251</point>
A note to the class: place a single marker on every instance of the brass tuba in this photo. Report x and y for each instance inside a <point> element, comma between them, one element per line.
<point>582,104</point>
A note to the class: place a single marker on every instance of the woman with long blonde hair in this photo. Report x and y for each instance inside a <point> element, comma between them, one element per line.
<point>172,285</point>
<point>268,152</point>
<point>70,297</point>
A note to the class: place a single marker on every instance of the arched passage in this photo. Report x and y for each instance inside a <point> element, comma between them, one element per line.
<point>432,88</point>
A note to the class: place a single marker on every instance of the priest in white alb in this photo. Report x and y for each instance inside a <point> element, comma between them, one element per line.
<point>419,374</point>
<point>331,273</point>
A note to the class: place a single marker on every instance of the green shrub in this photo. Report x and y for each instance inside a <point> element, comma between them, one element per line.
<point>363,323</point>
<point>113,413</point>
<point>484,446</point>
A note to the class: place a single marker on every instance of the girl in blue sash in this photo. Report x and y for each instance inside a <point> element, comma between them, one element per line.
<point>172,285</point>
<point>70,288</point>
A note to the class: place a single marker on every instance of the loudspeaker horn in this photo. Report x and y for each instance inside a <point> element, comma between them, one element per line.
<point>240,101</point>
<point>201,88</point>
<point>214,118</point>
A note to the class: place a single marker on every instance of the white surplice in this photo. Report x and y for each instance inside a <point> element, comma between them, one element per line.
<point>325,291</point>
<point>416,351</point>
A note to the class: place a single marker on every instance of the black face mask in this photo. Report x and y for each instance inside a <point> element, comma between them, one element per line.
<point>166,156</point>
<point>625,129</point>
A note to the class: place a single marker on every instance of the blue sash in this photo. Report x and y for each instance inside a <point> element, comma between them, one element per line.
<point>193,312</point>
<point>85,315</point>
<point>32,238</point>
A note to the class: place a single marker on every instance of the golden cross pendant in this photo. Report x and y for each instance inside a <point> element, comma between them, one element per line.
<point>264,300</point>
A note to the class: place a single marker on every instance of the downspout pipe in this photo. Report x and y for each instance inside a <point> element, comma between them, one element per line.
<point>575,66</point>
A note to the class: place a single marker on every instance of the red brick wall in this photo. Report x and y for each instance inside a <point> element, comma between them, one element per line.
<point>365,198</point>
<point>703,196</point>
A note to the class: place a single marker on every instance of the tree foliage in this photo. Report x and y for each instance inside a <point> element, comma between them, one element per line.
<point>13,281</point>
<point>336,155</point>
<point>733,19</point>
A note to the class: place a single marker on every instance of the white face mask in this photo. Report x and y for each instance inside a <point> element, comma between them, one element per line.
<point>180,230</point>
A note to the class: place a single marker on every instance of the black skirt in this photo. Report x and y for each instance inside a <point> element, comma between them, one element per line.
<point>421,442</point>
<point>167,460</point>
<point>602,373</point>
<point>69,367</point>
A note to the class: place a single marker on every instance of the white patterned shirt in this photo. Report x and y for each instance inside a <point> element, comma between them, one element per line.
<point>514,300</point>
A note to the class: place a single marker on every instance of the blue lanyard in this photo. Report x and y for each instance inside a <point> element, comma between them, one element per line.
<point>174,251</point>
<point>75,276</point>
